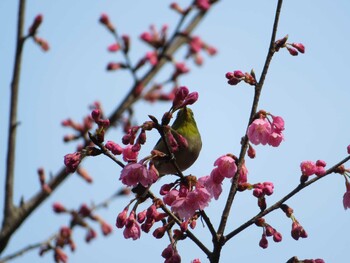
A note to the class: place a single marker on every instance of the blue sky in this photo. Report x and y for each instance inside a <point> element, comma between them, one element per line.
<point>310,91</point>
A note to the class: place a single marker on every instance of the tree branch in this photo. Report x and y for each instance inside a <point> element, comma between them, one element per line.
<point>285,198</point>
<point>234,185</point>
<point>9,209</point>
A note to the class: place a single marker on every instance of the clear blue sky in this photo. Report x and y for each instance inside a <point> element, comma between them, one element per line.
<point>310,91</point>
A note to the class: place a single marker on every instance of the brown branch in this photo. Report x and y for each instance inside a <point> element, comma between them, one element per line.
<point>28,207</point>
<point>25,250</point>
<point>9,209</point>
<point>233,190</point>
<point>28,248</point>
<point>285,198</point>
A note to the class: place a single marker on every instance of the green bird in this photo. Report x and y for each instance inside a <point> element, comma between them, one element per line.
<point>185,155</point>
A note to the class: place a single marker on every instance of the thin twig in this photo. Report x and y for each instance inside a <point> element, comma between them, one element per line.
<point>281,201</point>
<point>233,190</point>
<point>9,208</point>
<point>258,89</point>
<point>28,248</point>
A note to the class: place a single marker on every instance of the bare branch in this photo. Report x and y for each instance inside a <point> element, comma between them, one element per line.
<point>9,208</point>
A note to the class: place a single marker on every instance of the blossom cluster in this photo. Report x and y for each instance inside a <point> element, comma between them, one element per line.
<point>264,131</point>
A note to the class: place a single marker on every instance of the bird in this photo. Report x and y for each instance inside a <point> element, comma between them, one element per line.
<point>186,153</point>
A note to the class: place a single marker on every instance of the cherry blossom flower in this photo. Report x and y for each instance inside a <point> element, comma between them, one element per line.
<point>214,188</point>
<point>259,131</point>
<point>132,228</point>
<point>187,202</point>
<point>135,173</point>
<point>308,168</point>
<point>129,154</point>
<point>226,166</point>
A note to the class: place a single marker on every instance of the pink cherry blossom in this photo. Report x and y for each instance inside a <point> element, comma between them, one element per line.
<point>226,166</point>
<point>132,228</point>
<point>275,139</point>
<point>129,154</point>
<point>308,168</point>
<point>216,177</point>
<point>135,173</point>
<point>186,204</point>
<point>214,188</point>
<point>171,196</point>
<point>277,123</point>
<point>259,131</point>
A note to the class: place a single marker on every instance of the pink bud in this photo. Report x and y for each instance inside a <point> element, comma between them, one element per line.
<point>233,81</point>
<point>263,242</point>
<point>269,230</point>
<point>165,189</point>
<point>96,115</point>
<point>159,232</point>
<point>251,152</point>
<point>114,47</point>
<point>229,75</point>
<point>300,47</point>
<point>58,208</point>
<point>115,148</point>
<point>277,237</point>
<point>84,210</point>
<point>321,163</point>
<point>36,23</point>
<point>141,216</point>
<point>121,218</point>
<point>106,228</point>
<point>238,74</point>
<point>104,19</point>
<point>91,234</point>
<point>292,51</point>
<point>191,98</point>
